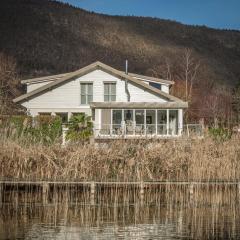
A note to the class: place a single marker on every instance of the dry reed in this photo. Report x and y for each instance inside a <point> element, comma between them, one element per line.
<point>169,160</point>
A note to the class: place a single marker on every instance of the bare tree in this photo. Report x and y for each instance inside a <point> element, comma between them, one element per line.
<point>8,82</point>
<point>182,67</point>
<point>190,68</point>
<point>163,70</point>
<point>218,105</point>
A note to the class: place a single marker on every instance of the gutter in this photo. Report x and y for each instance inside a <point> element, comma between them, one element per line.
<point>126,83</point>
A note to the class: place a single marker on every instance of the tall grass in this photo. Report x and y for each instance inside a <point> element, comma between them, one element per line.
<point>171,160</point>
<point>209,212</point>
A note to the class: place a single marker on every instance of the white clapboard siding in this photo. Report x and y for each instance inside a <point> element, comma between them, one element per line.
<point>165,88</point>
<point>98,77</point>
<point>139,94</point>
<point>68,94</point>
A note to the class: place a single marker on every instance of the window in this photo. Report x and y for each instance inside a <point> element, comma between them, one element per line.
<point>139,117</point>
<point>128,118</point>
<point>86,93</point>
<point>156,85</point>
<point>173,122</point>
<point>117,122</point>
<point>162,116</point>
<point>150,116</point>
<point>151,121</point>
<point>162,122</point>
<point>109,92</point>
<point>128,115</point>
<point>139,120</point>
<point>117,117</point>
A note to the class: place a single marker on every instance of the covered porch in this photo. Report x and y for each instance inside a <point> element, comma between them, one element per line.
<point>137,120</point>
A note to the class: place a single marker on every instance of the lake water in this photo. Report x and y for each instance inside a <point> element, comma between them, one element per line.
<point>212,216</point>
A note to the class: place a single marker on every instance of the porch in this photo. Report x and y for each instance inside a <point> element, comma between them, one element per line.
<point>137,120</point>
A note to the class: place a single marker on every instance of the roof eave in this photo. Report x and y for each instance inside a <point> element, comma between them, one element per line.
<point>89,68</point>
<point>139,105</point>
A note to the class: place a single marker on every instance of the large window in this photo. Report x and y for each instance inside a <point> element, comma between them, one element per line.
<point>128,118</point>
<point>173,122</point>
<point>139,119</point>
<point>109,92</point>
<point>117,117</point>
<point>162,122</point>
<point>151,122</point>
<point>117,122</point>
<point>86,93</point>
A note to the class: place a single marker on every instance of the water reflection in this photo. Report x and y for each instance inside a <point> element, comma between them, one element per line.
<point>208,214</point>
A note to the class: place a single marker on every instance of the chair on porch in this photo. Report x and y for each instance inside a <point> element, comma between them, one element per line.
<point>129,127</point>
<point>139,129</point>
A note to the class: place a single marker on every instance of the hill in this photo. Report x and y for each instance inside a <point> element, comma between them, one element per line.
<point>48,37</point>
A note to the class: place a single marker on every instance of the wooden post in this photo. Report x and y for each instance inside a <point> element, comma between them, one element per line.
<point>191,190</point>
<point>142,192</point>
<point>66,192</point>
<point>188,134</point>
<point>1,194</point>
<point>16,195</point>
<point>92,193</point>
<point>45,190</point>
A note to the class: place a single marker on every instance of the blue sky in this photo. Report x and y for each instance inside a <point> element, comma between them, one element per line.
<point>213,13</point>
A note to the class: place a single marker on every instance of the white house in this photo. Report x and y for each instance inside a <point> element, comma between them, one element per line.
<point>121,104</point>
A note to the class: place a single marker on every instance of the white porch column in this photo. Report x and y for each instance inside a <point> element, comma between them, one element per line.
<point>97,122</point>
<point>111,122</point>
<point>99,118</point>
<point>167,122</point>
<point>69,115</point>
<point>180,122</point>
<point>145,122</point>
<point>134,122</point>
<point>64,134</point>
<point>123,125</point>
<point>156,123</point>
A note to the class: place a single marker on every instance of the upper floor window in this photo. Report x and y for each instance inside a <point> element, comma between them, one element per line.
<point>86,93</point>
<point>109,92</point>
<point>156,85</point>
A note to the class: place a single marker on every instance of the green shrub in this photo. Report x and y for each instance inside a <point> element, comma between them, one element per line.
<point>80,128</point>
<point>47,128</point>
<point>220,134</point>
<point>40,129</point>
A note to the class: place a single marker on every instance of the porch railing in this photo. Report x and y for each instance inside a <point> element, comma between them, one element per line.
<point>119,130</point>
<point>139,130</point>
<point>135,130</point>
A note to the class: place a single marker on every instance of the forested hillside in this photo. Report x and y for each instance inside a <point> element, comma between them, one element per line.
<point>45,37</point>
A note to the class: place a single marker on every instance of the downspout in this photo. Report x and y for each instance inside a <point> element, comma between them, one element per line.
<point>126,82</point>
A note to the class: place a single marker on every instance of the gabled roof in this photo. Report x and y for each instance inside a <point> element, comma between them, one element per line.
<point>58,76</point>
<point>83,71</point>
<point>143,77</point>
<point>43,79</point>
